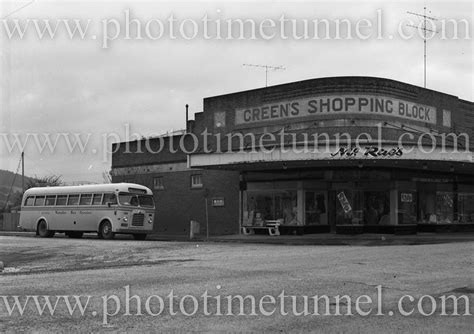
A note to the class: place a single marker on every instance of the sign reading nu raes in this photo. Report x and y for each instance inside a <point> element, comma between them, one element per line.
<point>336,105</point>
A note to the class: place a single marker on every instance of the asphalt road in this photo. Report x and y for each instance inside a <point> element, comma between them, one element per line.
<point>219,271</point>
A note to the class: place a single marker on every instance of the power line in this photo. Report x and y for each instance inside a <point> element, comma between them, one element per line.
<point>266,67</point>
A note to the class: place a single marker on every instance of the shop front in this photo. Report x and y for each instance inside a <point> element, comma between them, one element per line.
<point>370,154</point>
<point>325,193</point>
<point>375,199</point>
<point>342,154</point>
<point>297,206</point>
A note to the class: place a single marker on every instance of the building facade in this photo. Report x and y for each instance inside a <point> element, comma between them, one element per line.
<point>316,155</point>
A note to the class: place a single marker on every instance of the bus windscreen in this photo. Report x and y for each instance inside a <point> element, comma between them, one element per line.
<point>145,201</point>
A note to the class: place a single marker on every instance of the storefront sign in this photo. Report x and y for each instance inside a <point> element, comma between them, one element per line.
<point>336,105</point>
<point>346,206</point>
<point>280,155</point>
<point>406,197</point>
<point>368,151</point>
<point>218,201</point>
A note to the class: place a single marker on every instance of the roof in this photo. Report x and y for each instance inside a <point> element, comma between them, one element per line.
<point>89,188</point>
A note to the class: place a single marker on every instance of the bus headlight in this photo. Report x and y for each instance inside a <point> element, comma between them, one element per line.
<point>150,220</point>
<point>125,219</point>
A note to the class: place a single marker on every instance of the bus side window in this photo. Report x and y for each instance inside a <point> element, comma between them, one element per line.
<point>62,199</point>
<point>97,199</point>
<point>109,198</point>
<point>50,200</point>
<point>85,199</point>
<point>30,200</point>
<point>73,200</point>
<point>39,201</point>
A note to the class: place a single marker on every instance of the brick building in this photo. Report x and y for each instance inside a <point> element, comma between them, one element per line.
<point>313,155</point>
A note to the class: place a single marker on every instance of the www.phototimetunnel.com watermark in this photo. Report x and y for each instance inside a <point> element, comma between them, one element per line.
<point>126,303</point>
<point>126,25</point>
<point>312,141</point>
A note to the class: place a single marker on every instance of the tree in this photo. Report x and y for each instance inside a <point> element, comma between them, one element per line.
<point>44,181</point>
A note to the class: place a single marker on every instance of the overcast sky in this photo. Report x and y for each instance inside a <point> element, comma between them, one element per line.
<point>76,86</point>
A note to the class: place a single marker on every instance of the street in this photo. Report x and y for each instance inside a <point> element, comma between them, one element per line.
<point>107,271</point>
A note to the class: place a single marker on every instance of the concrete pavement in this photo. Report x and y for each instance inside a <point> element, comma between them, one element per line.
<point>103,269</point>
<point>309,239</point>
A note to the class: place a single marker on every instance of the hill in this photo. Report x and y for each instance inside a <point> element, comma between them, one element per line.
<point>6,179</point>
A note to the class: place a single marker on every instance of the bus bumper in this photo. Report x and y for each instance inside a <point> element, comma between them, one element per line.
<point>132,231</point>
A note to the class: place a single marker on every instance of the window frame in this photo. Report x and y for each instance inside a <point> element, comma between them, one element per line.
<point>100,200</point>
<point>50,196</point>
<point>62,196</point>
<point>38,198</point>
<point>160,186</point>
<point>196,185</point>
<point>84,195</point>
<point>73,196</point>
<point>29,204</point>
<point>104,197</point>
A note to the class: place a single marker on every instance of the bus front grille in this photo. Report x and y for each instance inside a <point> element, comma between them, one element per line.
<point>138,219</point>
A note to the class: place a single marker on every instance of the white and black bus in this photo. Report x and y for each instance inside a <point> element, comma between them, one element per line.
<point>106,209</point>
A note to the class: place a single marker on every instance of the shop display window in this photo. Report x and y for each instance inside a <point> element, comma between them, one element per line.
<point>466,208</point>
<point>271,206</point>
<point>444,207</point>
<point>407,207</point>
<point>349,207</point>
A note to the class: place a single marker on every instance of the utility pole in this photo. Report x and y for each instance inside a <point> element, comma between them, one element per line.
<point>266,67</point>
<point>424,29</point>
<point>23,172</point>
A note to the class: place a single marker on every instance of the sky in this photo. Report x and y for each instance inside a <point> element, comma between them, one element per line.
<point>99,87</point>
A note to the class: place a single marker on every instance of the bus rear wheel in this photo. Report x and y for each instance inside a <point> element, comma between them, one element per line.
<point>43,230</point>
<point>140,236</point>
<point>106,230</point>
<point>75,235</point>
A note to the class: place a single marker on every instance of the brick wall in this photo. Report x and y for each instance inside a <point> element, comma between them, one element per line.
<point>178,203</point>
<point>462,112</point>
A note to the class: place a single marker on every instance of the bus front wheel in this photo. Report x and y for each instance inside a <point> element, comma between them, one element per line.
<point>106,230</point>
<point>43,230</point>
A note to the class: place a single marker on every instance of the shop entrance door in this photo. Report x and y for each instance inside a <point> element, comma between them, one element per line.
<point>315,208</point>
<point>377,208</point>
<point>362,206</point>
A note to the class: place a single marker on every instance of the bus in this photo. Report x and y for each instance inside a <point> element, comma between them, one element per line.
<point>105,209</point>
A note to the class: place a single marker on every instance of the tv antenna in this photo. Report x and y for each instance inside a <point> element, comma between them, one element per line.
<point>424,29</point>
<point>266,67</point>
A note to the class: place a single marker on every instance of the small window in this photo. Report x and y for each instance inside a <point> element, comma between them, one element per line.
<point>73,200</point>
<point>39,201</point>
<point>447,118</point>
<point>50,200</point>
<point>85,199</point>
<point>30,200</point>
<point>158,183</point>
<point>62,199</point>
<point>97,199</point>
<point>109,198</point>
<point>219,119</point>
<point>196,181</point>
